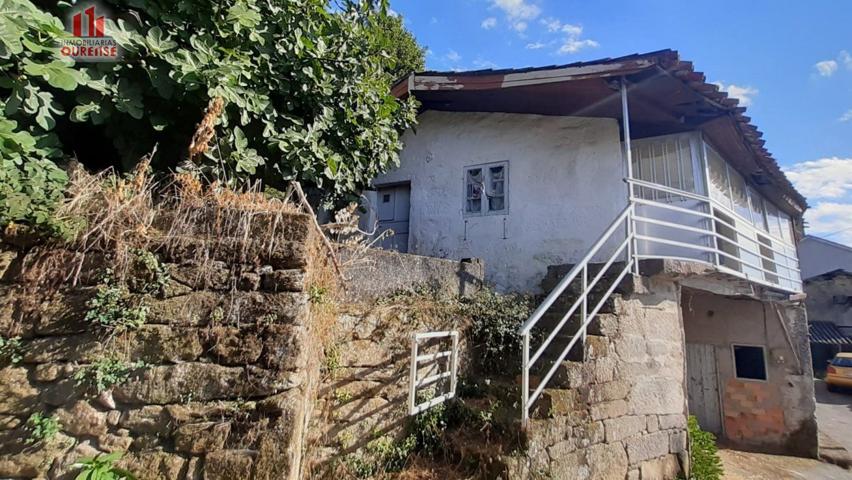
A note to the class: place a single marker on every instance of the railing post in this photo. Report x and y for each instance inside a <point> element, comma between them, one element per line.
<point>413,374</point>
<point>525,383</point>
<point>454,357</point>
<point>584,309</point>
<point>633,242</point>
<point>717,260</point>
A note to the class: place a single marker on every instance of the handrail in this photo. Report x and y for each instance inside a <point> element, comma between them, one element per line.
<point>563,284</point>
<point>772,269</point>
<point>623,219</point>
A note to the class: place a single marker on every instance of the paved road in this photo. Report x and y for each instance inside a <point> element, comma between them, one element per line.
<point>757,466</point>
<point>834,414</point>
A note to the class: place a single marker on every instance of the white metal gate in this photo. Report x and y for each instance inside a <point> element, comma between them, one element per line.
<point>442,365</point>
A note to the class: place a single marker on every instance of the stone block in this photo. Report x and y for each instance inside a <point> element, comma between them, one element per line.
<point>607,461</point>
<point>605,410</point>
<point>62,313</point>
<point>646,447</point>
<point>203,382</point>
<point>17,396</point>
<point>118,442</point>
<point>589,434</point>
<point>233,346</point>
<point>49,372</point>
<point>82,419</point>
<point>9,422</point>
<point>676,420</point>
<point>283,281</point>
<point>283,347</point>
<point>657,395</point>
<point>154,465</point>
<point>148,419</point>
<point>609,391</point>
<point>571,466</point>
<point>187,310</point>
<point>200,438</point>
<point>665,468</point>
<point>678,441</point>
<point>620,428</point>
<point>83,348</point>
<point>248,281</point>
<point>60,393</point>
<point>557,402</point>
<point>229,464</point>
<point>161,343</point>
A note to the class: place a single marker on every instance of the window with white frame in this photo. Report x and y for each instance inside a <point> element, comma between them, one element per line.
<point>486,189</point>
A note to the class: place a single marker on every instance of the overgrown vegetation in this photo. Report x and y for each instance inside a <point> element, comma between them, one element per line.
<point>704,458</point>
<point>11,350</point>
<point>41,428</point>
<point>148,275</point>
<point>102,467</point>
<point>114,308</point>
<point>105,373</point>
<point>494,329</point>
<point>278,90</point>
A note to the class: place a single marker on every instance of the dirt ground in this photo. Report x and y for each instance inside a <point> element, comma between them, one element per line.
<point>834,414</point>
<point>757,466</point>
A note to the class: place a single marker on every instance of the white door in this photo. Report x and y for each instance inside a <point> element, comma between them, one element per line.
<point>703,386</point>
<point>392,211</point>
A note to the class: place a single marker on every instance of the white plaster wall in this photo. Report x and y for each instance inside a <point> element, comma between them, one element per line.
<point>565,187</point>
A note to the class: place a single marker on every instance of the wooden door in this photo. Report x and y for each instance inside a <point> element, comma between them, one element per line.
<point>703,386</point>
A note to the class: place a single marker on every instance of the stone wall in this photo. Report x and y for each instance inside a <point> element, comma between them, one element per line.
<point>375,273</point>
<point>364,391</point>
<point>622,412</point>
<point>229,350</point>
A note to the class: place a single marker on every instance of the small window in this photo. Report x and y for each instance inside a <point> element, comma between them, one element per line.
<point>486,188</point>
<point>386,198</point>
<point>749,362</point>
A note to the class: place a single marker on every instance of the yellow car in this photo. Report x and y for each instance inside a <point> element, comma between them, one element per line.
<point>839,373</point>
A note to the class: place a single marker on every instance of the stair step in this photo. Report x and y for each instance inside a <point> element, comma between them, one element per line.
<point>604,324</point>
<point>555,274</point>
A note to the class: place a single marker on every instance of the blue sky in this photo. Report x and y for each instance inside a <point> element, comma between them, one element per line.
<point>789,62</point>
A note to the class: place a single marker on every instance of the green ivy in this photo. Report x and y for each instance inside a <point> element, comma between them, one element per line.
<point>114,307</point>
<point>105,373</point>
<point>10,350</point>
<point>41,428</point>
<point>704,458</point>
<point>494,331</point>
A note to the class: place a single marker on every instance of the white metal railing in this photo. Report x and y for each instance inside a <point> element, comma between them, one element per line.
<point>580,272</point>
<point>446,358</point>
<point>745,251</point>
<point>676,225</point>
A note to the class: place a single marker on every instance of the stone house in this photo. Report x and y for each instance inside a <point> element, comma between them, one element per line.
<point>639,202</point>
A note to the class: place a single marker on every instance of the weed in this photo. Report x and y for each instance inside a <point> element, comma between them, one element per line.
<point>41,428</point>
<point>11,350</point>
<point>149,275</point>
<point>331,365</point>
<point>114,308</point>
<point>342,396</point>
<point>105,373</point>
<point>217,315</point>
<point>704,459</point>
<point>494,331</point>
<point>317,294</point>
<point>102,467</point>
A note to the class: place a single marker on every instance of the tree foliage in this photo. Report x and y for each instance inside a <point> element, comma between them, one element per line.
<point>305,90</point>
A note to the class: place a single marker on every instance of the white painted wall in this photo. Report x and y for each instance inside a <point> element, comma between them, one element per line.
<point>565,187</point>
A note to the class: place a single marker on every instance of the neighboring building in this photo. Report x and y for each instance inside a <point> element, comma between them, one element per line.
<point>829,306</point>
<point>639,164</point>
<point>819,256</point>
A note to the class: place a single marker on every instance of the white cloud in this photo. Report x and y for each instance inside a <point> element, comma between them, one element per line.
<point>392,12</point>
<point>518,9</point>
<point>826,68</point>
<point>828,184</point>
<point>573,45</point>
<point>481,63</point>
<point>572,30</point>
<point>823,178</point>
<point>535,46</point>
<point>433,20</point>
<point>845,58</point>
<point>743,94</point>
<point>551,24</point>
<point>832,220</point>
<point>488,23</point>
<point>519,26</point>
<point>846,116</point>
<point>453,56</point>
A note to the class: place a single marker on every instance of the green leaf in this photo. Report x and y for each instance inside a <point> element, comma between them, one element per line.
<point>57,73</point>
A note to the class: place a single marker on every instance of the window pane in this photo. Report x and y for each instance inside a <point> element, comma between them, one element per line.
<point>496,204</point>
<point>758,210</point>
<point>786,227</point>
<point>738,190</point>
<point>749,362</point>
<point>497,195</point>
<point>474,206</point>
<point>473,184</point>
<point>719,188</point>
<point>774,220</point>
